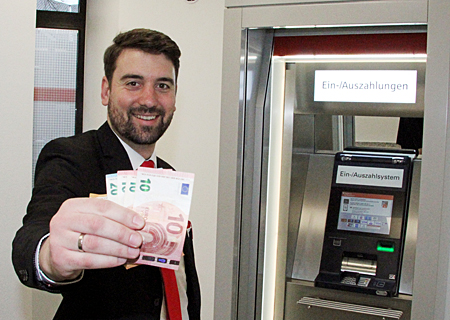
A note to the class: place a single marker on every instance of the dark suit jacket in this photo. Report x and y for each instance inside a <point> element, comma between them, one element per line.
<point>75,167</point>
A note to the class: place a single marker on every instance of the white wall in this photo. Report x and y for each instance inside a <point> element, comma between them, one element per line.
<point>16,123</point>
<point>191,144</point>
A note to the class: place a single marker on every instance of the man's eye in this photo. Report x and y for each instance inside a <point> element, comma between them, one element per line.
<point>164,86</point>
<point>132,83</point>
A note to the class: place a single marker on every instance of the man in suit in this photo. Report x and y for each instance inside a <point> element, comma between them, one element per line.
<point>76,245</point>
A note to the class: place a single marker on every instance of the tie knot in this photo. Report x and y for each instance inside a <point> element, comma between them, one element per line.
<point>148,164</point>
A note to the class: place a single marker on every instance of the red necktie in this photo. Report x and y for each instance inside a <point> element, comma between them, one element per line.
<point>148,164</point>
<point>170,281</point>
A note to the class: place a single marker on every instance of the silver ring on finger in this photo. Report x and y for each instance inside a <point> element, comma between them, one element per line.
<point>80,242</point>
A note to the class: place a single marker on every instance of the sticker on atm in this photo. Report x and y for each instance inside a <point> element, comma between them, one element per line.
<point>365,212</point>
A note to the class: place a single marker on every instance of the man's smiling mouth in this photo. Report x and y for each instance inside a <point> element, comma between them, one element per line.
<point>143,117</point>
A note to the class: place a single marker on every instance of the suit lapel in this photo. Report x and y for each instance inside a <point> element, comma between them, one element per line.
<point>114,154</point>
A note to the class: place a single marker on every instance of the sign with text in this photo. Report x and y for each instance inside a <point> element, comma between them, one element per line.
<point>377,86</point>
<point>370,176</point>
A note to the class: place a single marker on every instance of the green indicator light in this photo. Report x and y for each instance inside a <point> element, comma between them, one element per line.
<point>385,247</point>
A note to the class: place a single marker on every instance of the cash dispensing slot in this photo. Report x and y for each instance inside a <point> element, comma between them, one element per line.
<point>359,265</point>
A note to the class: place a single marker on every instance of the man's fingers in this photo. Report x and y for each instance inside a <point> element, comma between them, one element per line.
<point>107,209</point>
<point>100,218</point>
<point>96,253</point>
<point>89,233</point>
<point>68,261</point>
<point>104,227</point>
<point>95,261</point>
<point>102,246</point>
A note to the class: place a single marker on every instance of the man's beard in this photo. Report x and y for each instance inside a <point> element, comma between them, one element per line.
<point>138,134</point>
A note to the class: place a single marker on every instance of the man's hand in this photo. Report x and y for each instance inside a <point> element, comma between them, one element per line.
<point>110,238</point>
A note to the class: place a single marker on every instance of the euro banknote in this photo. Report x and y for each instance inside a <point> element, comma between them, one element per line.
<point>163,199</point>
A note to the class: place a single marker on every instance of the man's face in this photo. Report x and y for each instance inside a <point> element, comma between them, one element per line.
<point>140,97</point>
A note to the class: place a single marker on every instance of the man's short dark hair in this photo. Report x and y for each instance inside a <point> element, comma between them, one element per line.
<point>149,41</point>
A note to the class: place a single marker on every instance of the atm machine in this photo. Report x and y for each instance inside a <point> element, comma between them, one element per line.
<point>366,221</point>
<point>364,267</point>
<point>347,207</point>
<point>312,230</point>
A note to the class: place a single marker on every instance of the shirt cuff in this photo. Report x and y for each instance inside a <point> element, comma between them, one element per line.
<point>42,277</point>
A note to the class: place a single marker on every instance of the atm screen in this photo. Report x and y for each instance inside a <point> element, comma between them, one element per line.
<point>365,212</point>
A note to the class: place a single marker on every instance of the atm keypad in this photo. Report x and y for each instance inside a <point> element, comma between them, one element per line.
<point>354,281</point>
<point>349,281</point>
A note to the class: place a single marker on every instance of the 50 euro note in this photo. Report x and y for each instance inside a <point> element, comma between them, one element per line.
<point>163,199</point>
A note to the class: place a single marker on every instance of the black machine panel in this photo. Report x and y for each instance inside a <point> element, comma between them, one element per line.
<point>366,221</point>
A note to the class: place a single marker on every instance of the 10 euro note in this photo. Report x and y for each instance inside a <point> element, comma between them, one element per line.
<point>163,199</point>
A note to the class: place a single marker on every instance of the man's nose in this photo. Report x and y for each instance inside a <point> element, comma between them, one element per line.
<point>148,97</point>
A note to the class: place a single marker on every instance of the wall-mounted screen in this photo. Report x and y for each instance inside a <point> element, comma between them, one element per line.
<point>365,212</point>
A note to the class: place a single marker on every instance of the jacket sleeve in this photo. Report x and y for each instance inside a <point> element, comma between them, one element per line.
<point>58,177</point>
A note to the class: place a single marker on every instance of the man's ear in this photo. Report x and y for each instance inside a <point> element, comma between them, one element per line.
<point>105,91</point>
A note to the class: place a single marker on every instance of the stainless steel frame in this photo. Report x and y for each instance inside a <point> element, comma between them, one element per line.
<point>255,75</point>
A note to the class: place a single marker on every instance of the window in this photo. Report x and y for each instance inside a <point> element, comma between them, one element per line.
<point>59,63</point>
<point>58,5</point>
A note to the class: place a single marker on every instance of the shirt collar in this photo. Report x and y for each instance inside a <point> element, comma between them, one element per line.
<point>135,158</point>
